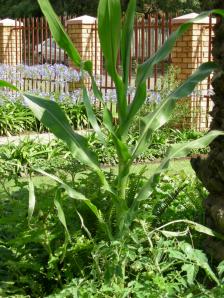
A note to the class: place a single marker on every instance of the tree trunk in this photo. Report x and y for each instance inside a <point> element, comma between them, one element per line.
<point>211,170</point>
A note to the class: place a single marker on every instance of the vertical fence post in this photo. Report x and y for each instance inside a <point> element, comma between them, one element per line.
<point>189,52</point>
<point>83,33</point>
<point>10,38</point>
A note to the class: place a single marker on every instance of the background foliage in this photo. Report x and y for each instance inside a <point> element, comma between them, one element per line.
<point>25,8</point>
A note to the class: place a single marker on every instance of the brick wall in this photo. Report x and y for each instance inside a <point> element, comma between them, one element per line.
<point>83,33</point>
<point>10,38</point>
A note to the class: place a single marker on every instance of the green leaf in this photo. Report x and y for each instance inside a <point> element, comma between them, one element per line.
<point>88,66</point>
<point>8,85</point>
<point>96,91</point>
<point>83,224</point>
<point>175,234</point>
<point>220,269</point>
<point>193,225</point>
<point>51,115</point>
<point>146,69</point>
<point>32,200</point>
<point>107,115</point>
<point>70,191</point>
<point>109,29</point>
<point>91,116</point>
<point>57,30</point>
<point>96,211</point>
<point>120,146</point>
<point>61,215</point>
<point>182,149</point>
<point>121,100</point>
<point>163,112</point>
<point>127,33</point>
<point>200,259</point>
<point>122,149</point>
<point>175,254</point>
<point>218,12</point>
<point>191,270</point>
<point>175,151</point>
<point>108,120</point>
<point>75,194</point>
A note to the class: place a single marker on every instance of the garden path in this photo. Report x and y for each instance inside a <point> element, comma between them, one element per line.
<point>43,138</point>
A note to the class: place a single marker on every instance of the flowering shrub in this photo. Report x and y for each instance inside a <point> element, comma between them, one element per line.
<point>45,78</point>
<point>40,77</point>
<point>60,75</point>
<point>47,72</point>
<point>16,118</point>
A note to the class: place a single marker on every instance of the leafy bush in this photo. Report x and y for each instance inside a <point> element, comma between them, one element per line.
<point>15,118</point>
<point>58,74</point>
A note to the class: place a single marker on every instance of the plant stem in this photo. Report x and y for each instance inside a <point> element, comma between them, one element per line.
<point>121,206</point>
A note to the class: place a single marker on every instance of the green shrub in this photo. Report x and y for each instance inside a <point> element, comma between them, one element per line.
<point>14,118</point>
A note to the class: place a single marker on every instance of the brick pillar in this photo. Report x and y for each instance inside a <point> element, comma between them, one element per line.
<point>83,33</point>
<point>10,42</point>
<point>189,52</point>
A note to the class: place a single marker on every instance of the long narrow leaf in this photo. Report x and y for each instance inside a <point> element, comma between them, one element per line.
<point>75,195</point>
<point>121,147</point>
<point>50,114</point>
<point>8,85</point>
<point>107,115</point>
<point>194,225</point>
<point>121,100</point>
<point>57,30</point>
<point>91,116</point>
<point>127,33</point>
<point>61,215</point>
<point>175,151</point>
<point>70,191</point>
<point>32,200</point>
<point>163,112</point>
<point>109,29</point>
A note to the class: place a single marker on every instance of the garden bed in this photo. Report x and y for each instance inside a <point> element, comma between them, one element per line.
<point>36,259</point>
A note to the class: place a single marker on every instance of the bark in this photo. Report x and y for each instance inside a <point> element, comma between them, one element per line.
<point>211,170</point>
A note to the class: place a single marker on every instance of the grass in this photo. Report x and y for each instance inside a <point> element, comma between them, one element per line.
<point>175,167</point>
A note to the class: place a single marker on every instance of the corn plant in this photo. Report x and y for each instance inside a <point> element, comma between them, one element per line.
<point>116,36</point>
